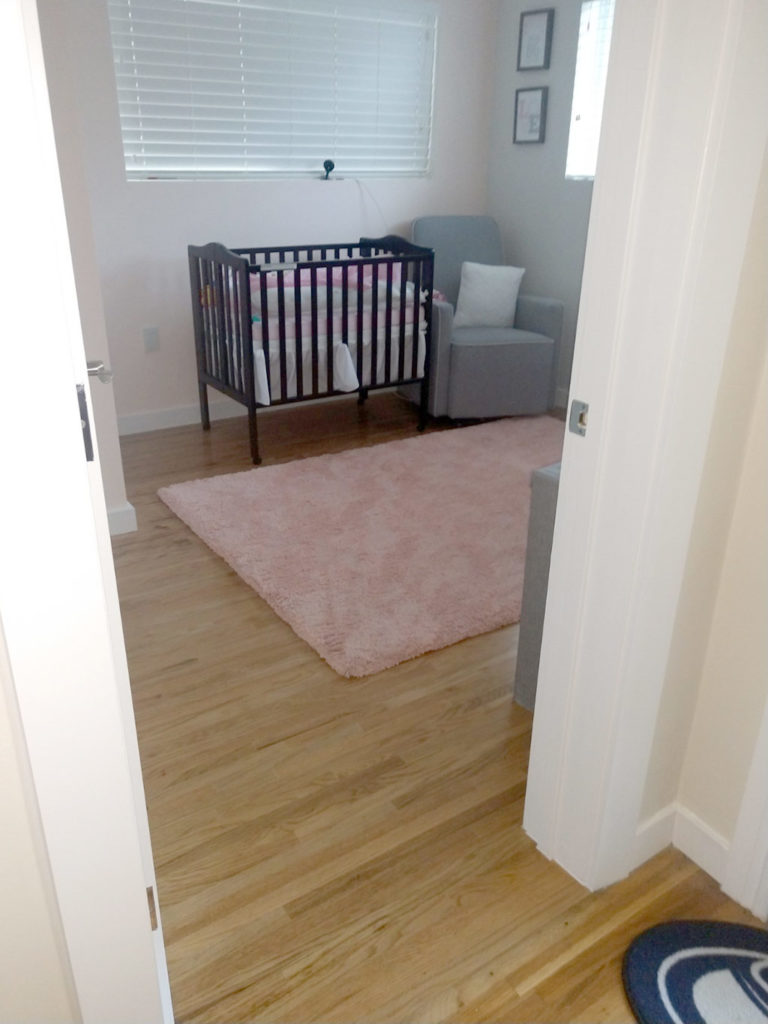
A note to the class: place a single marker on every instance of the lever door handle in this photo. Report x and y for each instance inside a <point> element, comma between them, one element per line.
<point>96,368</point>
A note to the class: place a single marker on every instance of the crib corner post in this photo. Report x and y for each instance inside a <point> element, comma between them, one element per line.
<point>423,403</point>
<point>253,434</point>
<point>205,416</point>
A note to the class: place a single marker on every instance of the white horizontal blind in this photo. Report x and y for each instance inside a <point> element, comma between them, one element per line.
<point>589,87</point>
<point>247,88</point>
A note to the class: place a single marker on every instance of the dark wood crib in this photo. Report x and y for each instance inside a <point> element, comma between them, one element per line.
<point>292,323</point>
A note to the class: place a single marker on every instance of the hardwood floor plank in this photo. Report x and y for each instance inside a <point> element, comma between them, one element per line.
<point>347,850</point>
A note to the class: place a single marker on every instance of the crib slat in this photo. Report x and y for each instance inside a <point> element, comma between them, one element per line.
<point>360,373</point>
<point>265,328</point>
<point>228,332</point>
<point>374,374</point>
<point>388,326</point>
<point>235,364</point>
<point>221,323</point>
<point>211,334</point>
<point>329,336</point>
<point>298,334</point>
<point>281,335</point>
<point>345,305</point>
<point>313,313</point>
<point>417,267</point>
<point>401,333</point>
<point>206,295</point>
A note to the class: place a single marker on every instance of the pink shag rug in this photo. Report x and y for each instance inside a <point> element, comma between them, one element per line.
<point>379,554</point>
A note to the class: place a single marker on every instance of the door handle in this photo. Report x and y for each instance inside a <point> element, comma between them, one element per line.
<point>96,368</point>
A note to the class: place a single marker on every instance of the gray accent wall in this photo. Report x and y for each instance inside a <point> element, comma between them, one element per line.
<point>543,218</point>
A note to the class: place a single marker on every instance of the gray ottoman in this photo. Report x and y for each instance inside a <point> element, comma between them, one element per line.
<point>541,524</point>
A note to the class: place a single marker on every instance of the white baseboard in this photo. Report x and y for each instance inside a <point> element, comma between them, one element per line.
<point>701,843</point>
<point>179,416</point>
<point>679,826</point>
<point>220,409</point>
<point>122,519</point>
<point>654,835</point>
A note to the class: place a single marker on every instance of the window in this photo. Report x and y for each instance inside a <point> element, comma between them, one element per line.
<point>273,88</point>
<point>589,87</point>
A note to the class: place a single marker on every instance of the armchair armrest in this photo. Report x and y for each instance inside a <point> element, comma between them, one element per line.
<point>440,357</point>
<point>542,316</point>
<point>439,361</point>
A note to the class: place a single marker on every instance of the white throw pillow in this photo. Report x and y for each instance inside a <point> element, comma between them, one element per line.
<point>487,295</point>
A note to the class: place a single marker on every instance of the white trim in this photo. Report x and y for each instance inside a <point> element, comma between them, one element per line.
<point>654,834</point>
<point>179,416</point>
<point>650,373</point>
<point>220,409</point>
<point>122,519</point>
<point>680,827</point>
<point>701,843</point>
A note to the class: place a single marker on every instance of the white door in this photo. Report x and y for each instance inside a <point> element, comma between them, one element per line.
<point>58,602</point>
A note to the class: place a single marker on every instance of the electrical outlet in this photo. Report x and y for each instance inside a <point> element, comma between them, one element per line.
<point>151,339</point>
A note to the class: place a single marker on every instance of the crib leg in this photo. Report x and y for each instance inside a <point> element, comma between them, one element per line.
<point>205,417</point>
<point>362,395</point>
<point>253,434</point>
<point>423,404</point>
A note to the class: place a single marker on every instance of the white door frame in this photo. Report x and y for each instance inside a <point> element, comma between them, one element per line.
<point>58,601</point>
<point>683,139</point>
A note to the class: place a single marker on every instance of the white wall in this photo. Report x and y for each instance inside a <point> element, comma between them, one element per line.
<point>142,229</point>
<point>543,217</point>
<point>67,121</point>
<point>734,681</point>
<point>717,678</point>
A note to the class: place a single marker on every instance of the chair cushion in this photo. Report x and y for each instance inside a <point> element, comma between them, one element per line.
<point>487,295</point>
<point>498,371</point>
<point>496,336</point>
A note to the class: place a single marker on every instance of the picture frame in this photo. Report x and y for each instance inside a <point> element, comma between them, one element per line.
<point>534,46</point>
<point>530,114</point>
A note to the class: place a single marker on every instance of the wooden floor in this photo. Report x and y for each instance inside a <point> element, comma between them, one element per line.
<point>335,850</point>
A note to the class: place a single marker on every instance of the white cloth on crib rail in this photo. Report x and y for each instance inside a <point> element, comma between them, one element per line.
<point>345,377</point>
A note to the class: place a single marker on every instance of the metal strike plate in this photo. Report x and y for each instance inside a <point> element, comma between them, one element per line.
<point>85,422</point>
<point>577,421</point>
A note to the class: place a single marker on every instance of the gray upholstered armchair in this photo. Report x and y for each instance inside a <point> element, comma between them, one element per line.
<point>477,370</point>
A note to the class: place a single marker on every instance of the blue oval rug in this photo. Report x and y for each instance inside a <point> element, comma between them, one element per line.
<point>698,972</point>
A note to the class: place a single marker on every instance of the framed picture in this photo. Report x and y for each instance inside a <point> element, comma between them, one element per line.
<point>530,114</point>
<point>535,43</point>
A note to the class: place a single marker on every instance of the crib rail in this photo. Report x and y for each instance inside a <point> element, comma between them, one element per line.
<point>233,287</point>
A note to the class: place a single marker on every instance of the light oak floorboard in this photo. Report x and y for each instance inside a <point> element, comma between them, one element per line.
<point>336,850</point>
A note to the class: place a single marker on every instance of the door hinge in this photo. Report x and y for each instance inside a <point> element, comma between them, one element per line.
<point>85,422</point>
<point>152,907</point>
